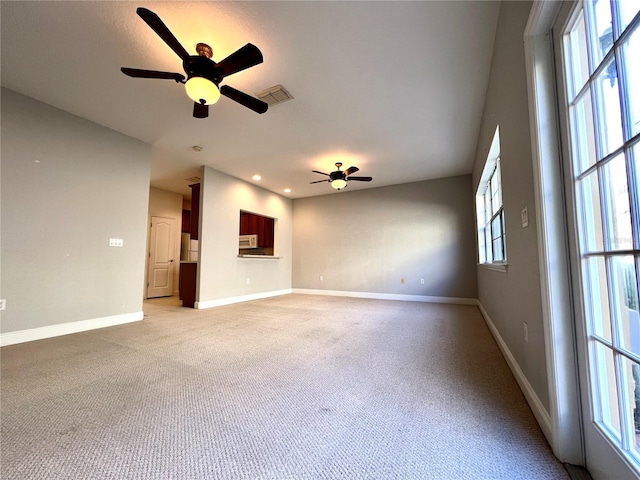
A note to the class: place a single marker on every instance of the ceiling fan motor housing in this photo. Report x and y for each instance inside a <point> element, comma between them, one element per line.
<point>201,66</point>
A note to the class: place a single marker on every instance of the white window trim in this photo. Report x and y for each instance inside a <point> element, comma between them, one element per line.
<point>562,424</point>
<point>489,168</point>
<point>496,267</point>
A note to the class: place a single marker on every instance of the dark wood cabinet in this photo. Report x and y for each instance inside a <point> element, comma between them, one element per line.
<point>186,221</point>
<point>188,274</point>
<point>266,227</point>
<point>251,224</point>
<point>195,211</point>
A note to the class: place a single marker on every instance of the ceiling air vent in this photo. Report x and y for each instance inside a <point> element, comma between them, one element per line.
<point>274,95</point>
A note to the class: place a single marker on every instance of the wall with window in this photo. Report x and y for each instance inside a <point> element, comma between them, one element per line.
<point>512,297</point>
<point>386,240</point>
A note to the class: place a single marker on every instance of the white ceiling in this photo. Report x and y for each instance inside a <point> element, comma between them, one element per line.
<point>395,88</point>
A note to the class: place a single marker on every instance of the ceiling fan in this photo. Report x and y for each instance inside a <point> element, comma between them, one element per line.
<point>339,178</point>
<point>202,82</point>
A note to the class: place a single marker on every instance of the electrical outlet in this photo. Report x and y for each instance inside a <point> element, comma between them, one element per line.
<point>422,281</point>
<point>526,332</point>
<point>321,278</point>
<point>3,304</point>
<point>248,281</point>
<point>402,281</point>
<point>116,242</point>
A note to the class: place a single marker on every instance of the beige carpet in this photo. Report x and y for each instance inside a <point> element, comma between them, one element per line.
<point>291,387</point>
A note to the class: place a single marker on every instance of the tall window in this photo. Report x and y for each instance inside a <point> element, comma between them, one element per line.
<point>490,211</point>
<point>602,71</point>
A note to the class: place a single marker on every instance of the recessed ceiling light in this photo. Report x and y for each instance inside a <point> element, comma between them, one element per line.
<point>196,148</point>
<point>256,177</point>
<point>287,190</point>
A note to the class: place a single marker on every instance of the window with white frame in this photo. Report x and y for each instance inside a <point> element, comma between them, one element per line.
<point>490,210</point>
<point>602,70</point>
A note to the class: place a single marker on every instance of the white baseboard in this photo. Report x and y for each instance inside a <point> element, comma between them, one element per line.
<point>542,416</point>
<point>389,296</point>
<point>243,298</point>
<point>22,336</point>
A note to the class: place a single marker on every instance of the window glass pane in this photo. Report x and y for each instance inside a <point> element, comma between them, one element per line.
<point>635,173</point>
<point>496,199</point>
<point>496,227</point>
<point>609,123</point>
<point>617,198</point>
<point>633,379</point>
<point>497,250</point>
<point>606,383</point>
<point>597,297</point>
<point>591,237</point>
<point>579,67</point>
<point>487,204</point>
<point>603,32</point>
<point>628,10</point>
<point>626,294</point>
<point>583,134</point>
<point>499,183</point>
<point>631,54</point>
<point>504,241</point>
<point>487,237</point>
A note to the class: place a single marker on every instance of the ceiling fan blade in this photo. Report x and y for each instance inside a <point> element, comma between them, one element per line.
<point>200,110</point>
<point>138,73</point>
<point>321,173</point>
<point>246,57</point>
<point>351,170</point>
<point>319,181</point>
<point>163,32</point>
<point>360,179</point>
<point>248,101</point>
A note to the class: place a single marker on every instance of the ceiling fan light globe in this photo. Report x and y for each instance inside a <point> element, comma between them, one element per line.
<point>202,90</point>
<point>338,183</point>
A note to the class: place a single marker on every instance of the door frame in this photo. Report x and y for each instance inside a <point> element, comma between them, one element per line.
<point>565,432</point>
<point>556,232</point>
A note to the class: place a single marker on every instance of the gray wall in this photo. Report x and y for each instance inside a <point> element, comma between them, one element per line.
<point>367,240</point>
<point>68,185</point>
<point>222,275</point>
<point>514,297</point>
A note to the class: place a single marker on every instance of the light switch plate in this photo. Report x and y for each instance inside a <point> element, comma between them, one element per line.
<point>525,217</point>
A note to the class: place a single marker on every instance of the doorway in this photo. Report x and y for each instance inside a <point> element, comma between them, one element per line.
<point>161,257</point>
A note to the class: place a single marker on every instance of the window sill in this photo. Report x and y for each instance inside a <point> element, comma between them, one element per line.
<point>258,256</point>
<point>497,267</point>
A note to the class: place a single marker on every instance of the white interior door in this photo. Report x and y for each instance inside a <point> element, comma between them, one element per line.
<point>599,47</point>
<point>161,257</point>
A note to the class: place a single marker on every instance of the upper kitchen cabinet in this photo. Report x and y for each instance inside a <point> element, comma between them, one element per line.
<point>252,224</point>
<point>195,210</point>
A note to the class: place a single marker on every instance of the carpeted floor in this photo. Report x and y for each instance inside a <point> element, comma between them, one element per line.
<point>291,387</point>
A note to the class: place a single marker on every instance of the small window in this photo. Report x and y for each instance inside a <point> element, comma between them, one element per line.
<point>490,210</point>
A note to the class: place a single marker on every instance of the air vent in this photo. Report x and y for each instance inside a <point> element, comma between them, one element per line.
<point>193,179</point>
<point>274,95</point>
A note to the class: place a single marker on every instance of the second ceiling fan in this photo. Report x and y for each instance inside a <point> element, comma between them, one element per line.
<point>339,178</point>
<point>202,82</point>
